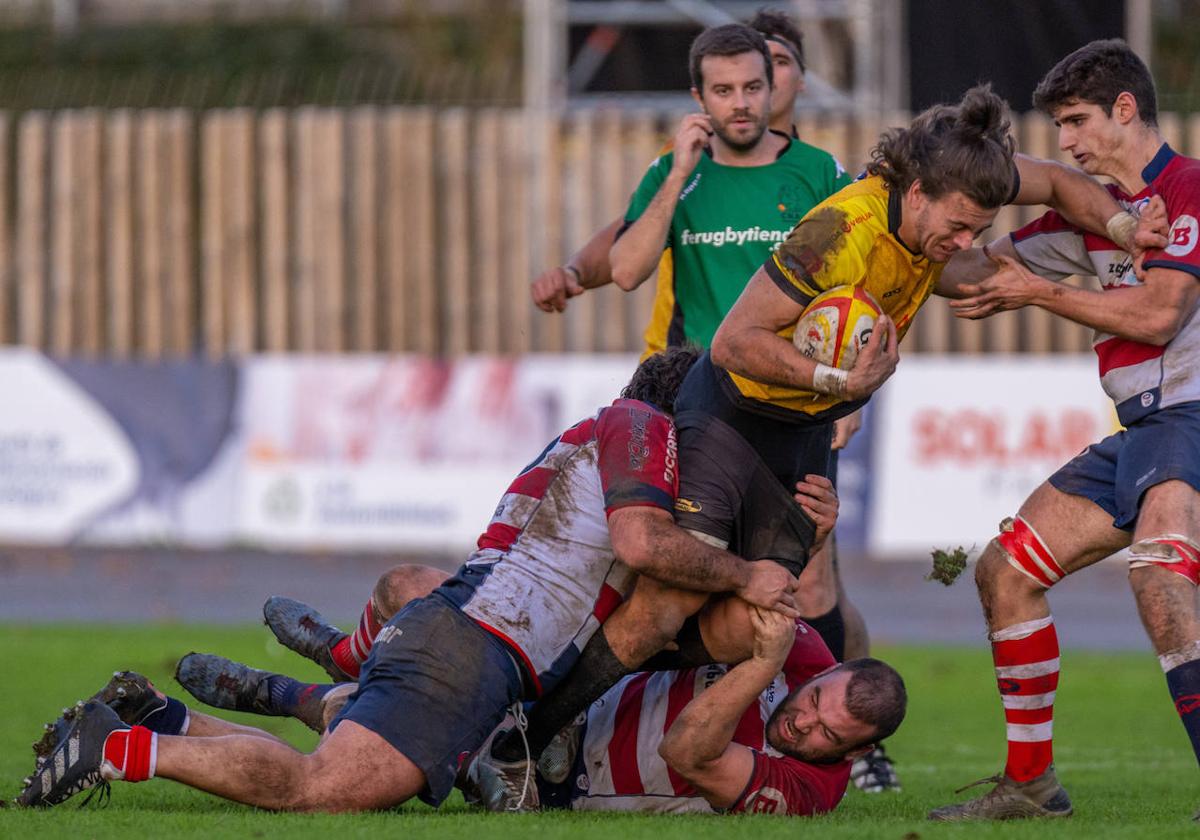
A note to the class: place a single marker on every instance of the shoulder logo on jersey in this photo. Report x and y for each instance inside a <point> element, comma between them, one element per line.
<point>1182,237</point>
<point>687,506</point>
<point>638,450</point>
<point>766,800</point>
<point>672,458</point>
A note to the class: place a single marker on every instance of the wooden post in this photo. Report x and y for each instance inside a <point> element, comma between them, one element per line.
<point>239,235</point>
<point>89,270</point>
<point>328,231</point>
<point>64,183</point>
<point>213,292</point>
<point>118,215</point>
<point>304,290</point>
<point>32,139</point>
<point>275,211</point>
<point>365,310</point>
<point>487,214</point>
<point>518,310</point>
<point>148,176</point>
<point>180,231</point>
<point>453,148</point>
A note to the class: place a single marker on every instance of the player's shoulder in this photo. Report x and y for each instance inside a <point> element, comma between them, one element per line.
<point>631,414</point>
<point>808,657</point>
<point>810,155</point>
<point>1181,176</point>
<point>787,786</point>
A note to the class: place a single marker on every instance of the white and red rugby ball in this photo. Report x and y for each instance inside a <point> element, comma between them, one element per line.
<point>835,326</point>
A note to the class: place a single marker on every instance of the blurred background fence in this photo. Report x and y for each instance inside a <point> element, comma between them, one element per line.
<point>167,233</point>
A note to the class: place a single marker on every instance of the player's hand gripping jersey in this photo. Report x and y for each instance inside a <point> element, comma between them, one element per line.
<point>1140,378</point>
<point>622,770</point>
<point>847,240</point>
<point>544,576</point>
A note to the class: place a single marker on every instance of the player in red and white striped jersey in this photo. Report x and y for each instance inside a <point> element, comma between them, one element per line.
<point>1138,488</point>
<point>775,733</point>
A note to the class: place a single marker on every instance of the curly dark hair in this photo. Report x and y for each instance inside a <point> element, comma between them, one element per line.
<point>1096,74</point>
<point>875,695</point>
<point>658,377</point>
<point>966,148</point>
<point>729,39</point>
<point>779,26</point>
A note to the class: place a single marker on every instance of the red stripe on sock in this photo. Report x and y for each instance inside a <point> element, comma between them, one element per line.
<point>343,657</point>
<point>128,750</point>
<point>1027,760</point>
<point>1029,716</point>
<point>1038,647</point>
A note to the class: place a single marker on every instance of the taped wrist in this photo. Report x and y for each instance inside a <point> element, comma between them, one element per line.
<point>1121,228</point>
<point>830,380</point>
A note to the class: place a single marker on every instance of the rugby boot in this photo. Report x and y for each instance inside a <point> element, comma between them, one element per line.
<point>1009,800</point>
<point>558,758</point>
<point>504,785</point>
<point>133,697</point>
<point>76,762</point>
<point>300,628</point>
<point>874,772</point>
<point>231,685</point>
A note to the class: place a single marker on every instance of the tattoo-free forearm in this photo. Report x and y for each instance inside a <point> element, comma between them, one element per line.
<point>649,542</point>
<point>634,256</point>
<point>705,727</point>
<point>591,261</point>
<point>1079,197</point>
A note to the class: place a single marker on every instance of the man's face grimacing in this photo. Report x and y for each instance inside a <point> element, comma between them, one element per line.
<point>736,96</point>
<point>1091,136</point>
<point>946,225</point>
<point>813,724</point>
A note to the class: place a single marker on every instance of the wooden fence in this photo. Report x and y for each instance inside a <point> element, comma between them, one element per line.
<point>169,233</point>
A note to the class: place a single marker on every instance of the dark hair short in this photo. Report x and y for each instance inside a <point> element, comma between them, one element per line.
<point>964,148</point>
<point>1096,74</point>
<point>730,39</point>
<point>875,695</point>
<point>778,26</point>
<point>658,377</point>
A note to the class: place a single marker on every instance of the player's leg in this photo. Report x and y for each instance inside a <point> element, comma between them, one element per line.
<point>300,628</point>
<point>230,685</point>
<point>1164,572</point>
<point>648,620</point>
<point>1055,533</point>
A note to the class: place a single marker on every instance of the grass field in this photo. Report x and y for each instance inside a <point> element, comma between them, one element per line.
<point>1120,751</point>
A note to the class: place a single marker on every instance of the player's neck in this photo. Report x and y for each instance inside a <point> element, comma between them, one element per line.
<point>765,151</point>
<point>1129,165</point>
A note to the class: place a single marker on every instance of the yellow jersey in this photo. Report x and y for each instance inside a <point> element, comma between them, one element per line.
<point>849,239</point>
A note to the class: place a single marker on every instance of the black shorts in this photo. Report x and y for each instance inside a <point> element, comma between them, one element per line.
<point>728,493</point>
<point>789,450</point>
<point>434,687</point>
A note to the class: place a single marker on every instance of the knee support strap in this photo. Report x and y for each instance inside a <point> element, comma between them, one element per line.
<point>1028,554</point>
<point>1170,551</point>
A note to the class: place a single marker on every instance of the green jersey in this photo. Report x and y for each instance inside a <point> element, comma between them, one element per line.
<point>727,221</point>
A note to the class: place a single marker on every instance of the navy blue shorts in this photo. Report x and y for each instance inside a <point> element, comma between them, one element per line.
<point>434,687</point>
<point>1115,472</point>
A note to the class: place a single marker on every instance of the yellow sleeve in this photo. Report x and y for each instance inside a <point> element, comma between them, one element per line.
<point>823,251</point>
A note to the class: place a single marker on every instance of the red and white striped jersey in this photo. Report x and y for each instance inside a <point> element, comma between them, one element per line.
<point>1140,378</point>
<point>544,575</point>
<point>623,771</point>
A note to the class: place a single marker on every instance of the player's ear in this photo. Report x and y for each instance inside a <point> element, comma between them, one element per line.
<point>699,100</point>
<point>916,194</point>
<point>1125,107</point>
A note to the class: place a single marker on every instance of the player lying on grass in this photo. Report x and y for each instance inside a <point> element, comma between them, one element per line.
<point>1138,488</point>
<point>774,734</point>
<point>588,515</point>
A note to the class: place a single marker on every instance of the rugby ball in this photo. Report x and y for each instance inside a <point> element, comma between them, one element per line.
<point>836,325</point>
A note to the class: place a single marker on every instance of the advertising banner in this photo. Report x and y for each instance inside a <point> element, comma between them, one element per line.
<point>960,442</point>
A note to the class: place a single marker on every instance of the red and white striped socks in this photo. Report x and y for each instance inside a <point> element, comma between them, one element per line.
<point>351,652</point>
<point>1026,657</point>
<point>130,755</point>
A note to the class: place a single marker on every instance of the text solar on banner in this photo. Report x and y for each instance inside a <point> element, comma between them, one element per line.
<point>960,443</point>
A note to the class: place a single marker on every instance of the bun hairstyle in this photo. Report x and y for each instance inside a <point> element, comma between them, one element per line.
<point>965,148</point>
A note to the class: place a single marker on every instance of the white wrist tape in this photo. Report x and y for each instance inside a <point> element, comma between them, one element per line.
<point>1121,228</point>
<point>829,380</point>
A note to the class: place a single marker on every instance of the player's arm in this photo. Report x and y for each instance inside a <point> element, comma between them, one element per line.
<point>647,540</point>
<point>636,252</point>
<point>587,268</point>
<point>1151,313</point>
<point>747,344</point>
<point>967,268</point>
<point>699,745</point>
<point>1077,196</point>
